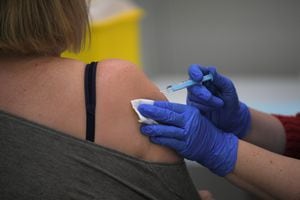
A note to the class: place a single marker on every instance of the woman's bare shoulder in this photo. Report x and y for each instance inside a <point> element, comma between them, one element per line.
<point>119,82</point>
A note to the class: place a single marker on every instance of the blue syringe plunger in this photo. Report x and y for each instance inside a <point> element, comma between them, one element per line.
<point>187,83</point>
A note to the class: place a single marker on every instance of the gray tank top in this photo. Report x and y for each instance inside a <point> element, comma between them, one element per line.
<point>40,163</point>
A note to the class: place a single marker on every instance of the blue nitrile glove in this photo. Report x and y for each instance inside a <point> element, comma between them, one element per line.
<point>218,101</point>
<point>184,129</point>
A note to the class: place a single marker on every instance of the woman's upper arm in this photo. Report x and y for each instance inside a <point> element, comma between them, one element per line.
<point>119,82</point>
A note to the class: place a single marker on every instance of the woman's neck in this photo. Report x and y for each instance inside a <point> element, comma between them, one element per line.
<point>25,62</point>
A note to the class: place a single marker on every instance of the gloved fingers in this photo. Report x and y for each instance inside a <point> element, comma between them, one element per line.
<point>223,84</point>
<point>178,145</point>
<point>202,108</point>
<point>197,71</point>
<point>176,107</point>
<point>161,115</point>
<point>201,94</point>
<point>163,130</point>
<point>201,105</point>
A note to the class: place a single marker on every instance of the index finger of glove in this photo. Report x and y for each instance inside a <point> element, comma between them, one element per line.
<point>161,115</point>
<point>175,144</point>
<point>203,96</point>
<point>175,107</point>
<point>163,131</point>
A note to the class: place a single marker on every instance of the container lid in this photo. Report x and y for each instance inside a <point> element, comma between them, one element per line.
<point>100,10</point>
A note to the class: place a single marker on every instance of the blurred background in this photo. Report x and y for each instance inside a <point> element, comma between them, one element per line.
<point>256,43</point>
<point>239,36</point>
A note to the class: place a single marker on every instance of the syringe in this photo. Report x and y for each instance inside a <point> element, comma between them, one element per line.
<point>184,84</point>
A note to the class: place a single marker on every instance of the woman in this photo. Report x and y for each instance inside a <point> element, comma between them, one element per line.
<point>67,130</point>
<point>223,134</point>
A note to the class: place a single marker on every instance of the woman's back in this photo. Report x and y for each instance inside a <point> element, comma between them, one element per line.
<point>50,91</point>
<point>43,135</point>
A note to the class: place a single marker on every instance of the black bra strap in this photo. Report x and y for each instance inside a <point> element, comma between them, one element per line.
<point>90,99</point>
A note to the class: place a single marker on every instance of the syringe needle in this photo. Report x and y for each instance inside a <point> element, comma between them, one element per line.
<point>185,84</point>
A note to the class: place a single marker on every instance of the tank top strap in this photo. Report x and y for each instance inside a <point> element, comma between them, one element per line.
<point>90,99</point>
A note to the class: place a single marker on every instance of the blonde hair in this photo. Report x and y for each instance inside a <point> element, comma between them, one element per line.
<point>42,27</point>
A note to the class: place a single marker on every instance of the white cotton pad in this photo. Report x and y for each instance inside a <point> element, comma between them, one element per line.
<point>135,104</point>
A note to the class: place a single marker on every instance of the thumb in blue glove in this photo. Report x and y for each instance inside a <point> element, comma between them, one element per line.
<point>185,130</point>
<point>218,101</point>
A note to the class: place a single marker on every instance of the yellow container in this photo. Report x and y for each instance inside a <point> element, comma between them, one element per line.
<point>116,37</point>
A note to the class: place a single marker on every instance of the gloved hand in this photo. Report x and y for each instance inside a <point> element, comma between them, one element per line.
<point>184,129</point>
<point>218,101</point>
